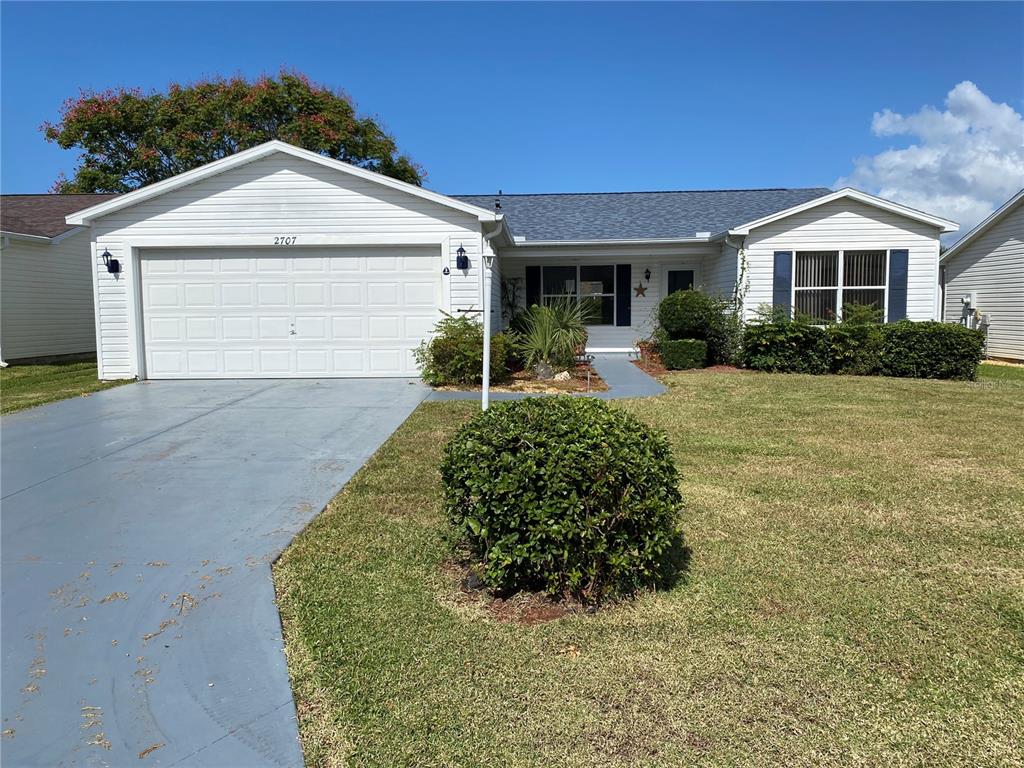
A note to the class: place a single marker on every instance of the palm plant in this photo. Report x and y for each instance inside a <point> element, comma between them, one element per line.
<point>552,334</point>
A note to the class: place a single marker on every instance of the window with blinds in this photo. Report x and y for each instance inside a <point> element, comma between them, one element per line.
<point>824,282</point>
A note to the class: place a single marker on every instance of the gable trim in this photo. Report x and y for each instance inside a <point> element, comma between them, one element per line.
<point>994,218</point>
<point>945,225</point>
<point>89,215</point>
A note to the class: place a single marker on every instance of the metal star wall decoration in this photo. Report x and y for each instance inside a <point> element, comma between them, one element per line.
<point>640,290</point>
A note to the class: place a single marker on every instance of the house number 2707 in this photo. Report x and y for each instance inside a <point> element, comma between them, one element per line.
<point>285,240</point>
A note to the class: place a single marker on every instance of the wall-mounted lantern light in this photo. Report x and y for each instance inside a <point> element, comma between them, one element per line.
<point>113,265</point>
<point>647,275</point>
<point>461,259</point>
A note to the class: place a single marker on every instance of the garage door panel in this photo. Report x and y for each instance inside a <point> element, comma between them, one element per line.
<point>311,328</point>
<point>238,328</point>
<point>200,295</point>
<point>272,294</point>
<point>224,313</point>
<point>200,328</point>
<point>310,294</point>
<point>239,362</point>
<point>382,294</point>
<point>237,294</point>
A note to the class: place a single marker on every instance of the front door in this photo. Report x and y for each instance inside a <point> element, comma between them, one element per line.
<point>680,280</point>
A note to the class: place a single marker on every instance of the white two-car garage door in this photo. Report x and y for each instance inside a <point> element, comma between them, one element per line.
<point>233,313</point>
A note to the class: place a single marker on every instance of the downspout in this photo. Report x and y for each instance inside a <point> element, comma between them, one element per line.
<point>488,262</point>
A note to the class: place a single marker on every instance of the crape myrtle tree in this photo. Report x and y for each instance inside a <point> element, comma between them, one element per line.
<point>129,138</point>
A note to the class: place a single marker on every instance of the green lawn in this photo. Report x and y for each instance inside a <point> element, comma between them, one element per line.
<point>855,597</point>
<point>24,386</point>
<point>996,372</point>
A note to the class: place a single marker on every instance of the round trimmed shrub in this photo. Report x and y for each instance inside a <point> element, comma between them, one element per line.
<point>563,494</point>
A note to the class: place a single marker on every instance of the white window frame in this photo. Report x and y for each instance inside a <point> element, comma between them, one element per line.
<point>840,276</point>
<point>579,295</point>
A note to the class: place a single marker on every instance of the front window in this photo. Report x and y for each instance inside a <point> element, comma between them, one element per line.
<point>826,281</point>
<point>593,285</point>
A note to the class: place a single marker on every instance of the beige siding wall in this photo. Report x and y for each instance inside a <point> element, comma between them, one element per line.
<point>249,206</point>
<point>844,224</point>
<point>993,267</point>
<point>46,298</point>
<point>658,259</point>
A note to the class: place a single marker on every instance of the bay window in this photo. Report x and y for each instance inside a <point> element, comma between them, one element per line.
<point>826,281</point>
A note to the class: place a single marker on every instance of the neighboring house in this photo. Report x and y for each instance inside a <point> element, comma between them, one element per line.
<point>279,262</point>
<point>984,273</point>
<point>46,292</point>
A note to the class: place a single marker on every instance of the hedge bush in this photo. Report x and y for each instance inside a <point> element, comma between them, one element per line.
<point>454,355</point>
<point>681,354</point>
<point>785,346</point>
<point>564,494</point>
<point>694,315</point>
<point>855,349</point>
<point>931,350</point>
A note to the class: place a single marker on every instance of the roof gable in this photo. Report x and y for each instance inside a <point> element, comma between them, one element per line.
<point>998,215</point>
<point>944,225</point>
<point>209,170</point>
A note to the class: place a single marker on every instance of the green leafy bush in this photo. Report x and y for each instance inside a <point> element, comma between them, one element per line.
<point>931,350</point>
<point>454,355</point>
<point>785,346</point>
<point>551,334</point>
<point>564,494</point>
<point>695,315</point>
<point>855,349</point>
<point>681,354</point>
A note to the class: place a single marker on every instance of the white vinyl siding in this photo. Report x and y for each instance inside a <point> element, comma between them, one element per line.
<point>46,298</point>
<point>992,266</point>
<point>721,272</point>
<point>657,259</point>
<point>846,225</point>
<point>248,207</point>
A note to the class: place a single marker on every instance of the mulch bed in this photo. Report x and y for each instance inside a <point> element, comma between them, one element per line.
<point>526,608</point>
<point>526,381</point>
<point>653,366</point>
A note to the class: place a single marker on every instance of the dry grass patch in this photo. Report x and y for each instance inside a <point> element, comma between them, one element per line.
<point>854,597</point>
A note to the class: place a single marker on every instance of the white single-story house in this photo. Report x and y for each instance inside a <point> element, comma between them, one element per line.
<point>278,262</point>
<point>983,274</point>
<point>46,295</point>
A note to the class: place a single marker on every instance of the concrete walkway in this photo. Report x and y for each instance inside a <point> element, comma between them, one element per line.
<point>622,377</point>
<point>139,525</point>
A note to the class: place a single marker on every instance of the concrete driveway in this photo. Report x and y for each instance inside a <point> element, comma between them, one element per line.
<point>138,529</point>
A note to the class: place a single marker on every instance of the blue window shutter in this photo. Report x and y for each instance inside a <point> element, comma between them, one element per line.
<point>897,309</point>
<point>532,286</point>
<point>623,294</point>
<point>782,282</point>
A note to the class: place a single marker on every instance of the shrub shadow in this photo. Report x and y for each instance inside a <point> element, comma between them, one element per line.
<point>674,568</point>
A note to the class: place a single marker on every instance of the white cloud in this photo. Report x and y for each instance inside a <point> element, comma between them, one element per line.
<point>964,163</point>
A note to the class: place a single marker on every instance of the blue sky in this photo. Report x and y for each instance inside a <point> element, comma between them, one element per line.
<point>545,97</point>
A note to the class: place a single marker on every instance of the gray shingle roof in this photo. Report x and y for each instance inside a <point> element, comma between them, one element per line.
<point>639,215</point>
<point>43,215</point>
